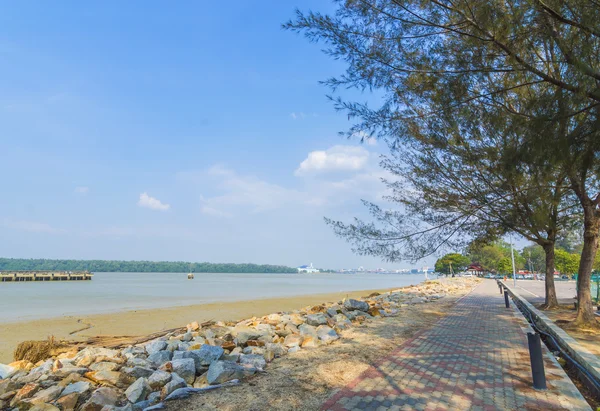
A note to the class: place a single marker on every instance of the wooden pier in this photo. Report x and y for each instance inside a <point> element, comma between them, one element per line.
<point>11,276</point>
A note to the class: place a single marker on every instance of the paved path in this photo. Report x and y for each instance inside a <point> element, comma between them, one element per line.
<point>476,358</point>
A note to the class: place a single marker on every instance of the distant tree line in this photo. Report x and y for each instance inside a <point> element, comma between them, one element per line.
<point>495,257</point>
<point>8,264</point>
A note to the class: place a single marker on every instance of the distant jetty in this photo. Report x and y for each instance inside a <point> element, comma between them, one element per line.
<point>11,276</point>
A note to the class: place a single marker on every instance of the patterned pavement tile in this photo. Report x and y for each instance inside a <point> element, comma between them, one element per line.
<point>475,358</point>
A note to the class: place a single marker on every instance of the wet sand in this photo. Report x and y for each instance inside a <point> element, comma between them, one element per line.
<point>143,322</point>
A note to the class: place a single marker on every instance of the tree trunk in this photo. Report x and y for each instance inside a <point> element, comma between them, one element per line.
<point>551,300</point>
<point>585,309</point>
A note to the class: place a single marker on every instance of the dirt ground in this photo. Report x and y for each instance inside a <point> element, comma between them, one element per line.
<point>586,337</point>
<point>304,380</point>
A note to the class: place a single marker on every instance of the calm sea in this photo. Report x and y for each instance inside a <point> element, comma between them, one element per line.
<point>112,292</point>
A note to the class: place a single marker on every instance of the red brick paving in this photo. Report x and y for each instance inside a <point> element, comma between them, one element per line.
<point>476,358</point>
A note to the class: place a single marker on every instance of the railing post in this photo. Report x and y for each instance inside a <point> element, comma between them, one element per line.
<point>500,287</point>
<point>506,299</point>
<point>537,361</point>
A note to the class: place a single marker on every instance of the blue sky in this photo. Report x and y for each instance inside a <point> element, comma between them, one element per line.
<point>131,130</point>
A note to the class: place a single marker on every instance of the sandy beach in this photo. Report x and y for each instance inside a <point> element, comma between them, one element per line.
<point>142,322</point>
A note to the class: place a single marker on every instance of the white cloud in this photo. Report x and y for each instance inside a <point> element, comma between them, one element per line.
<point>249,192</point>
<point>337,158</point>
<point>82,190</point>
<point>297,116</point>
<point>152,203</point>
<point>31,226</point>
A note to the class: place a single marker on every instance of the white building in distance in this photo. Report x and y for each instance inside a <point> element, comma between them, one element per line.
<point>309,269</point>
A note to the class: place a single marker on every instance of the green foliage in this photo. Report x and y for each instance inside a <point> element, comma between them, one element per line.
<point>535,258</point>
<point>8,264</point>
<point>459,263</point>
<point>495,256</point>
<point>565,262</point>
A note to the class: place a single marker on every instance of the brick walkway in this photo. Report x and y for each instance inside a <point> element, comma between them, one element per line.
<point>476,358</point>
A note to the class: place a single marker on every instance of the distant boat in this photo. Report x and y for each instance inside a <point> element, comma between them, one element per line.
<point>190,276</point>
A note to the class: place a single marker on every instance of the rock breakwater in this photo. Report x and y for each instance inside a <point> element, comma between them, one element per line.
<point>203,357</point>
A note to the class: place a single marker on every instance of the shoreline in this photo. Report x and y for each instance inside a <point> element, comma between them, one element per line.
<point>147,321</point>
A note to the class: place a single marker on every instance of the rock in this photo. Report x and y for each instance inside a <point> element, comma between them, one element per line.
<point>104,366</point>
<point>193,326</point>
<point>95,352</point>
<point>114,378</point>
<point>353,315</point>
<point>7,385</point>
<point>417,300</point>
<point>68,402</point>
<point>134,351</point>
<point>138,391</point>
<point>6,371</point>
<point>175,383</point>
<point>159,379</point>
<point>277,349</point>
<point>185,368</point>
<point>331,312</point>
<point>231,357</point>
<point>27,391</point>
<point>65,371</point>
<point>187,337</point>
<point>342,322</point>
<point>184,346</point>
<point>77,388</point>
<point>156,346</point>
<point>206,355</point>
<point>44,407</point>
<point>310,341</point>
<point>316,319</point>
<point>137,372</point>
<point>293,349</point>
<point>293,340</point>
<point>253,350</point>
<point>223,371</point>
<point>101,397</point>
<point>154,397</point>
<point>138,362</point>
<point>374,312</point>
<point>254,360</point>
<point>48,395</point>
<point>308,330</point>
<point>159,358</point>
<point>326,334</point>
<point>352,305</point>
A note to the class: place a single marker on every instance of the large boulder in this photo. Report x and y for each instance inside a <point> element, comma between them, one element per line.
<point>138,391</point>
<point>156,346</point>
<point>185,368</point>
<point>206,355</point>
<point>104,366</point>
<point>137,372</point>
<point>352,305</point>
<point>254,360</point>
<point>326,334</point>
<point>159,358</point>
<point>100,398</point>
<point>48,395</point>
<point>114,378</point>
<point>293,340</point>
<point>79,388</point>
<point>308,331</point>
<point>223,371</point>
<point>159,379</point>
<point>7,371</point>
<point>175,383</point>
<point>316,319</point>
<point>243,334</point>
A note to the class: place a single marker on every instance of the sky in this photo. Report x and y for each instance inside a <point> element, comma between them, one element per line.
<point>195,132</point>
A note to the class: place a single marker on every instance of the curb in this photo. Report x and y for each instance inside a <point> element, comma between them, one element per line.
<point>584,357</point>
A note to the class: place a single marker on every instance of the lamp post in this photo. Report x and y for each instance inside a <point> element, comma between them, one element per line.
<point>512,255</point>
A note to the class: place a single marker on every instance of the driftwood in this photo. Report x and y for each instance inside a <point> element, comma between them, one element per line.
<point>35,351</point>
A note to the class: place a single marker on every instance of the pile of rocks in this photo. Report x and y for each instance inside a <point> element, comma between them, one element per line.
<point>138,377</point>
